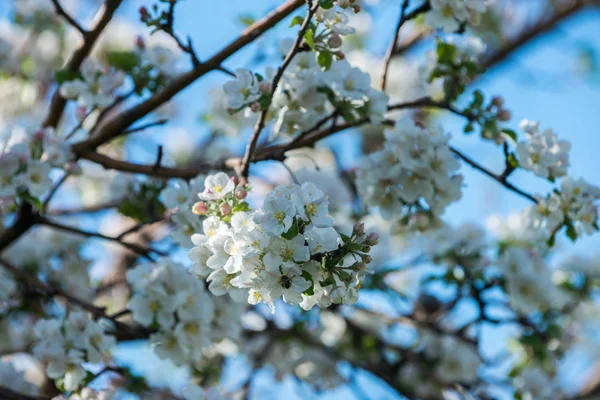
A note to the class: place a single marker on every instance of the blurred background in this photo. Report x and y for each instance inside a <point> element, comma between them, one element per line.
<point>552,77</point>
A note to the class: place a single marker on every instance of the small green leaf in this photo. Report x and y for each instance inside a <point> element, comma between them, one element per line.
<point>326,4</point>
<point>512,161</point>
<point>246,19</point>
<point>123,60</point>
<point>509,133</point>
<point>64,75</point>
<point>298,20</point>
<point>324,59</point>
<point>292,232</point>
<point>309,38</point>
<point>571,232</point>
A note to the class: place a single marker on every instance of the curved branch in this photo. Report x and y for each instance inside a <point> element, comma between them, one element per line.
<point>63,13</point>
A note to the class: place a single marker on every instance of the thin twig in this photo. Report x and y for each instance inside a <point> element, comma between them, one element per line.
<point>63,13</point>
<point>260,123</point>
<point>130,246</point>
<point>392,47</point>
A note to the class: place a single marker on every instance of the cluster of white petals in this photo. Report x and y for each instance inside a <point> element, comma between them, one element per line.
<point>287,249</point>
<point>88,394</point>
<point>575,205</point>
<point>307,94</point>
<point>413,178</point>
<point>529,282</point>
<point>542,153</point>
<point>449,15</point>
<point>96,88</point>
<point>465,245</point>
<point>179,196</point>
<point>167,297</point>
<point>26,159</point>
<point>65,344</point>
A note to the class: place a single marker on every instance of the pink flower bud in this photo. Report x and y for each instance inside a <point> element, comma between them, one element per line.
<point>360,266</point>
<point>373,238</point>
<point>81,113</point>
<point>143,13</point>
<point>339,55</point>
<point>255,107</point>
<point>366,249</point>
<point>359,228</point>
<point>265,86</point>
<point>366,259</point>
<point>225,208</point>
<point>335,41</point>
<point>73,168</point>
<point>139,42</point>
<point>356,8</point>
<point>504,115</point>
<point>200,208</point>
<point>498,101</point>
<point>240,193</point>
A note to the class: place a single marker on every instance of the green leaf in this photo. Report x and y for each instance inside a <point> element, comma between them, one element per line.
<point>510,134</point>
<point>309,38</point>
<point>64,75</point>
<point>324,59</point>
<point>469,128</point>
<point>34,201</point>
<point>512,161</point>
<point>571,232</point>
<point>123,60</point>
<point>243,206</point>
<point>446,53</point>
<point>292,232</point>
<point>326,4</point>
<point>477,100</point>
<point>298,20</point>
<point>246,19</point>
<point>311,290</point>
<point>552,240</point>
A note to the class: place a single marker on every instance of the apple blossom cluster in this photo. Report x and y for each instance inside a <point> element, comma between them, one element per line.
<point>287,249</point>
<point>65,344</point>
<point>180,196</point>
<point>574,206</point>
<point>450,15</point>
<point>14,379</point>
<point>529,282</point>
<point>454,361</point>
<point>307,94</point>
<point>56,259</point>
<point>464,246</point>
<point>542,153</point>
<point>26,159</point>
<point>94,87</point>
<point>168,298</point>
<point>413,178</point>
<point>87,394</point>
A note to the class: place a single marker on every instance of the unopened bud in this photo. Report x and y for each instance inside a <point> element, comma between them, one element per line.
<point>498,101</point>
<point>240,193</point>
<point>373,238</point>
<point>39,135</point>
<point>504,115</point>
<point>73,168</point>
<point>366,249</point>
<point>81,113</point>
<point>366,259</point>
<point>359,228</point>
<point>265,86</point>
<point>200,208</point>
<point>144,14</point>
<point>335,41</point>
<point>235,180</point>
<point>225,208</point>
<point>339,55</point>
<point>358,266</point>
<point>356,8</point>
<point>139,43</point>
<point>344,3</point>
<point>255,107</point>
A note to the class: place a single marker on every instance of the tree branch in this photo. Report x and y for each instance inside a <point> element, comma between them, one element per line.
<point>260,123</point>
<point>61,11</point>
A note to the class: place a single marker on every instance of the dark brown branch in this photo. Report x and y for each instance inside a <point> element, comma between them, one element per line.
<point>58,103</point>
<point>404,17</point>
<point>123,120</point>
<point>8,394</point>
<point>143,251</point>
<point>260,123</point>
<point>498,178</point>
<point>63,13</point>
